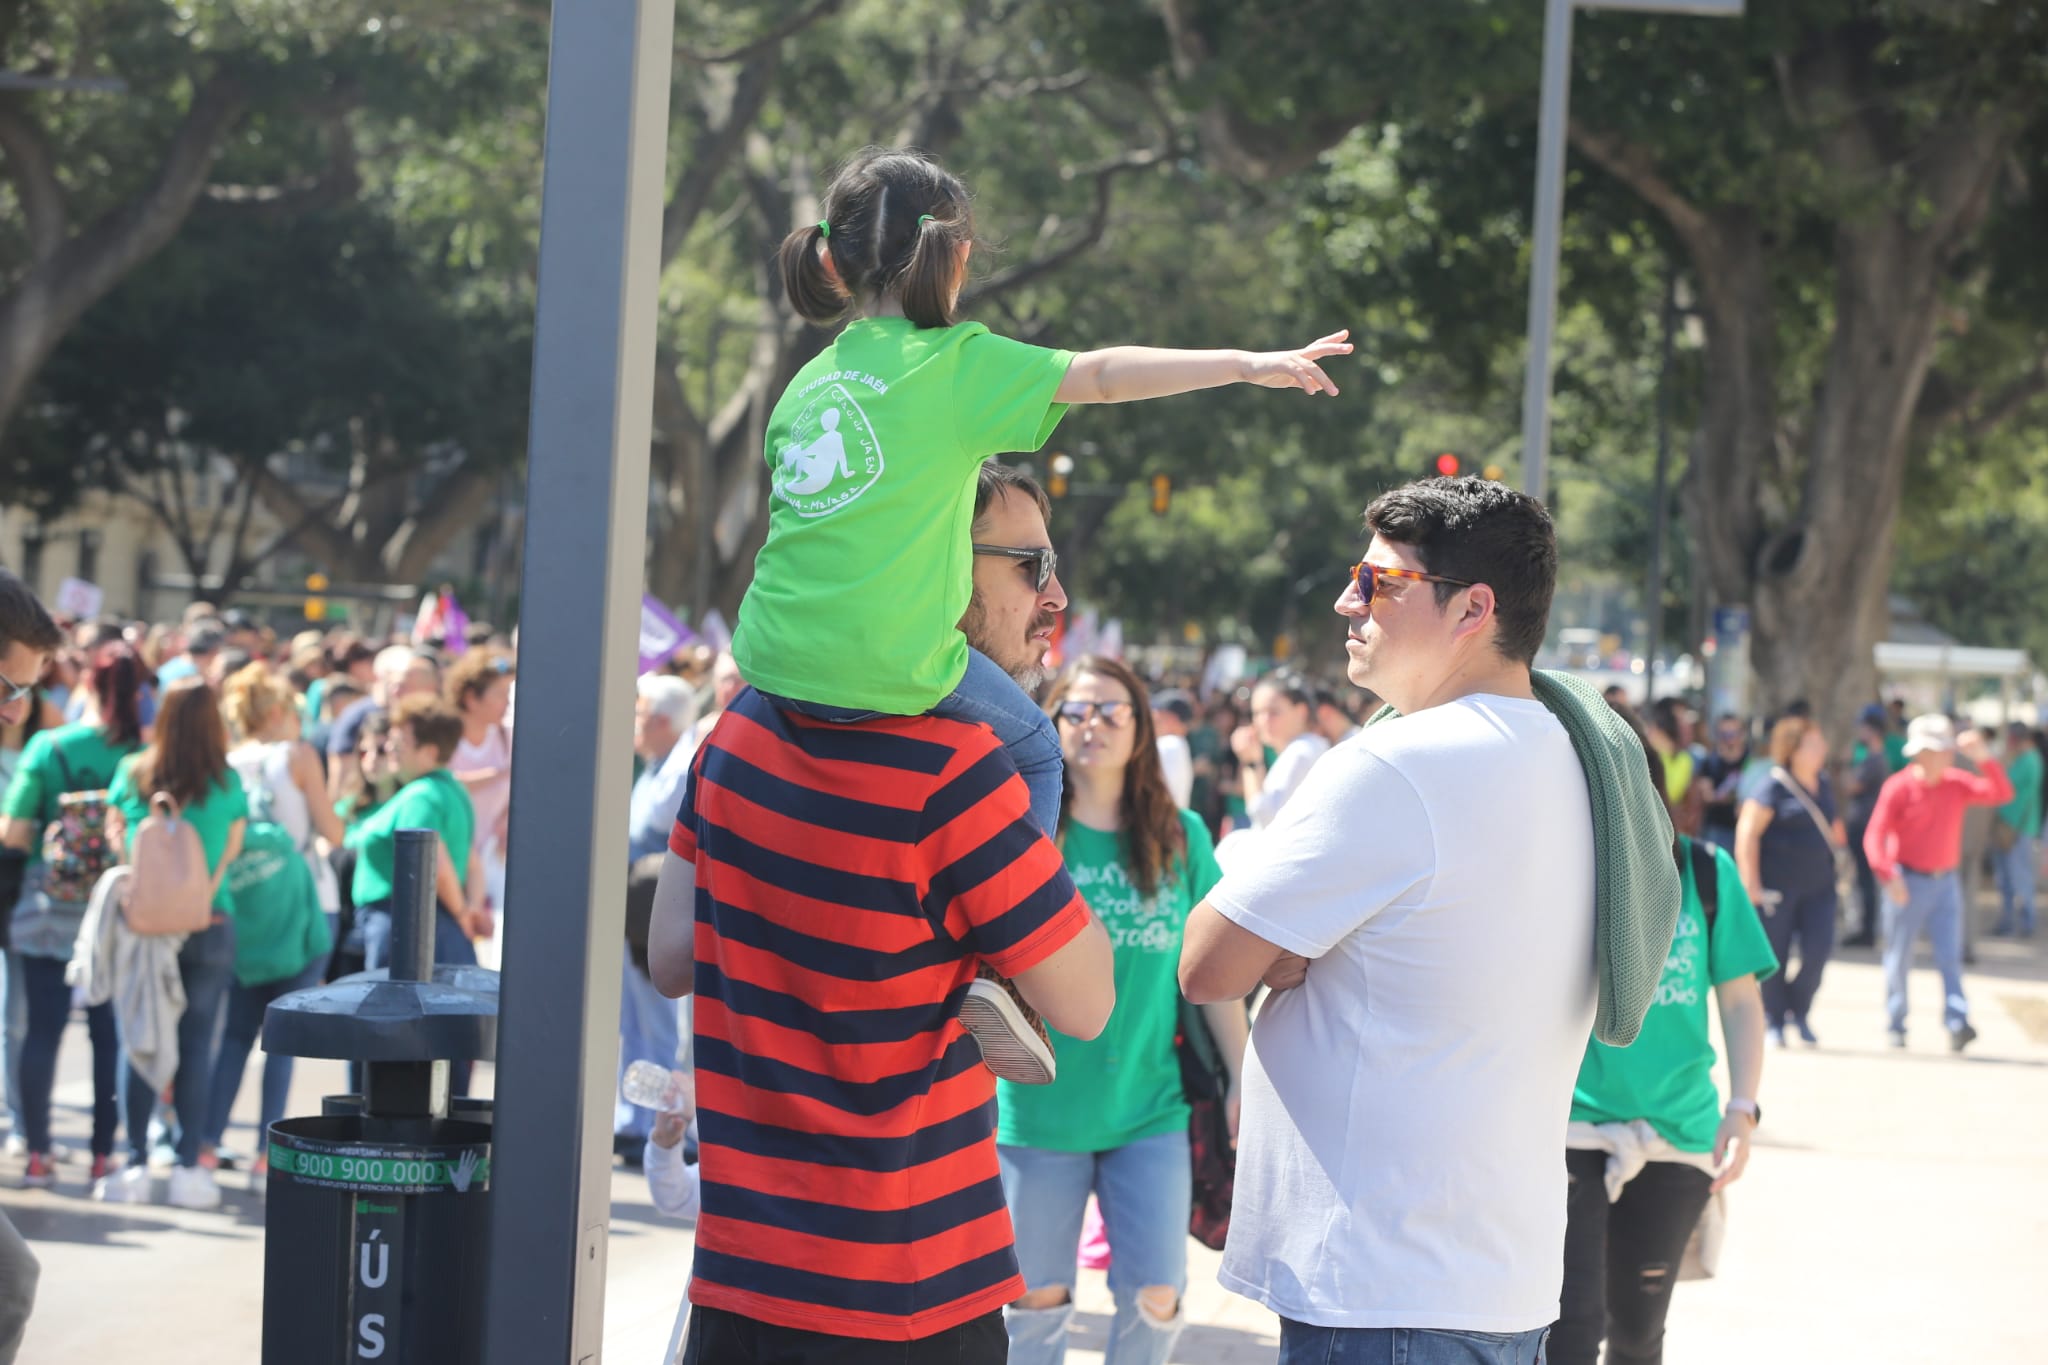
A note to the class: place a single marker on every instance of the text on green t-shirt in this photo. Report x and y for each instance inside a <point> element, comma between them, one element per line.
<point>873,452</point>
<point>1125,1084</point>
<point>1666,1075</point>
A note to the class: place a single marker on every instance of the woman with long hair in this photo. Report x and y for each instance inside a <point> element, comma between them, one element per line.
<point>1115,1122</point>
<point>285,952</point>
<point>75,761</point>
<point>188,761</point>
<point>479,687</point>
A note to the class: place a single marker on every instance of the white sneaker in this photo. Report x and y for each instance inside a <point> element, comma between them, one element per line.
<point>1013,1041</point>
<point>129,1185</point>
<point>193,1187</point>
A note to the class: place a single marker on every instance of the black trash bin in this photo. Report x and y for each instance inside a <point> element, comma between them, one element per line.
<point>378,1208</point>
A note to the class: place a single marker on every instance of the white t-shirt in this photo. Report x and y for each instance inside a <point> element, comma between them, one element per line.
<point>1401,1156</point>
<point>1179,762</point>
<point>1285,777</point>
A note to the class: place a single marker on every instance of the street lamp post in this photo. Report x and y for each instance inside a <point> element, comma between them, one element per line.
<point>1549,214</point>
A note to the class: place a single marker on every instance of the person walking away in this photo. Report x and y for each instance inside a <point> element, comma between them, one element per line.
<point>1915,841</point>
<point>57,803</point>
<point>649,1027</point>
<point>1172,712</point>
<point>28,638</point>
<point>2016,837</point>
<point>837,1090</point>
<point>1785,842</point>
<point>1425,910</point>
<point>1115,1120</point>
<point>1868,769</point>
<point>479,687</point>
<point>424,734</point>
<point>188,759</point>
<point>286,924</point>
<point>1650,1142</point>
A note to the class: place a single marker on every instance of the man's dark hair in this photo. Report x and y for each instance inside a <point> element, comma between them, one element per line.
<point>1482,532</point>
<point>205,638</point>
<point>23,619</point>
<point>999,480</point>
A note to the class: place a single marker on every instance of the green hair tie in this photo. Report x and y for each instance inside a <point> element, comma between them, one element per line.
<point>923,218</point>
<point>824,228</point>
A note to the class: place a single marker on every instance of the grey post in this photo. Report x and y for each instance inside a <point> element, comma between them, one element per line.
<point>586,530</point>
<point>1552,124</point>
<point>413,904</point>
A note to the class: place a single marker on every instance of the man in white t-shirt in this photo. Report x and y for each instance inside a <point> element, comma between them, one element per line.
<point>1424,909</point>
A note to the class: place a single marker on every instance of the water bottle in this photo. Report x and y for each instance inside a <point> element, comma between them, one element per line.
<point>653,1086</point>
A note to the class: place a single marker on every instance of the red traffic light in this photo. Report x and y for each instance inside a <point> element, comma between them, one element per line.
<point>1448,465</point>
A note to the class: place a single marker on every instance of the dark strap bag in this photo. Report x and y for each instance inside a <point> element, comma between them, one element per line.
<point>1206,1079</point>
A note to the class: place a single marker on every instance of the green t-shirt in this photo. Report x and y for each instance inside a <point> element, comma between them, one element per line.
<point>1895,751</point>
<point>87,763</point>
<point>1666,1075</point>
<point>1125,1084</point>
<point>213,817</point>
<point>2023,812</point>
<point>434,801</point>
<point>873,452</point>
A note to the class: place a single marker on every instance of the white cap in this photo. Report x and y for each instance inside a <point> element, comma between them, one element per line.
<point>1931,732</point>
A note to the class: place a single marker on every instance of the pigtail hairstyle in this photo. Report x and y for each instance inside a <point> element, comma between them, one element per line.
<point>894,222</point>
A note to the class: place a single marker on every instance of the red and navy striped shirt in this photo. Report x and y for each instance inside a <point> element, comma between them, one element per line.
<point>850,880</point>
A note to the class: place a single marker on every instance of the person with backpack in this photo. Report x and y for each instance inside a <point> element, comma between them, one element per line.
<point>187,763</point>
<point>286,899</point>
<point>1649,1142</point>
<point>56,810</point>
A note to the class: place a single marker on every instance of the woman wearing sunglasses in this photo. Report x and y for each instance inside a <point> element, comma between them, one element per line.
<point>1115,1122</point>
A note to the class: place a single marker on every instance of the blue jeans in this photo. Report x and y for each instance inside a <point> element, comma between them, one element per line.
<point>1807,918</point>
<point>2016,887</point>
<point>49,1011</point>
<point>13,1034</point>
<point>1303,1344</point>
<point>206,965</point>
<point>246,1005</point>
<point>648,1031</point>
<point>1934,905</point>
<point>986,696</point>
<point>450,945</point>
<point>1145,1189</point>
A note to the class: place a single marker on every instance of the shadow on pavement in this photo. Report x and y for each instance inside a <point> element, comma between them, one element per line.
<point>1090,1331</point>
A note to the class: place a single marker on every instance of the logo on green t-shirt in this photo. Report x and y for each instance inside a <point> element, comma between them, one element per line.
<point>831,455</point>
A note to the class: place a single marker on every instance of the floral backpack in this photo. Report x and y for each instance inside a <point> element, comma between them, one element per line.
<point>76,849</point>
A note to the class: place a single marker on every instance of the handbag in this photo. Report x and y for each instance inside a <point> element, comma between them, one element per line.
<point>1205,1078</point>
<point>170,891</point>
<point>1848,892</point>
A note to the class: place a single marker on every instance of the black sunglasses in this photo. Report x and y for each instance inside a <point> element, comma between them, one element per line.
<point>1115,714</point>
<point>1044,563</point>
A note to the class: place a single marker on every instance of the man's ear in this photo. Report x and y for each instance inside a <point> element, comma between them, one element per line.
<point>1477,611</point>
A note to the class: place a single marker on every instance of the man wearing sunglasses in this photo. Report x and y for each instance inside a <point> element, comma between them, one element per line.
<point>28,637</point>
<point>1424,909</point>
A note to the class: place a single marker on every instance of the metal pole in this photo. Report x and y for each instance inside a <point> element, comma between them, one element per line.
<point>1549,213</point>
<point>585,552</point>
<point>413,862</point>
<point>1653,590</point>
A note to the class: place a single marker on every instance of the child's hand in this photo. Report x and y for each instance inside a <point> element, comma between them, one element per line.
<point>669,1130</point>
<point>1297,369</point>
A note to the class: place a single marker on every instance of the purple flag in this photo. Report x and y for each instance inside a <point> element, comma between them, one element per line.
<point>661,635</point>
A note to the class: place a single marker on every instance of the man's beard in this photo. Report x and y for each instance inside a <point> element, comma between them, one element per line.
<point>1023,671</point>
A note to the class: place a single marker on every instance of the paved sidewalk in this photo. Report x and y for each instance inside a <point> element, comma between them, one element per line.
<point>1896,1213</point>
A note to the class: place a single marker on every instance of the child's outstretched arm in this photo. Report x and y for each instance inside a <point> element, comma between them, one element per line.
<point>1126,374</point>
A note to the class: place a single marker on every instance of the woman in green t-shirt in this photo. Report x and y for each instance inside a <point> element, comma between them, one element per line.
<point>1649,1141</point>
<point>75,758</point>
<point>1115,1122</point>
<point>188,760</point>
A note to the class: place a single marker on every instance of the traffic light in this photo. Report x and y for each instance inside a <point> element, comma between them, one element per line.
<point>1495,472</point>
<point>1162,492</point>
<point>1448,465</point>
<point>316,605</point>
<point>1062,466</point>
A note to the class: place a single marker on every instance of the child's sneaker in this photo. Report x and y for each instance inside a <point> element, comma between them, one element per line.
<point>1013,1042</point>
